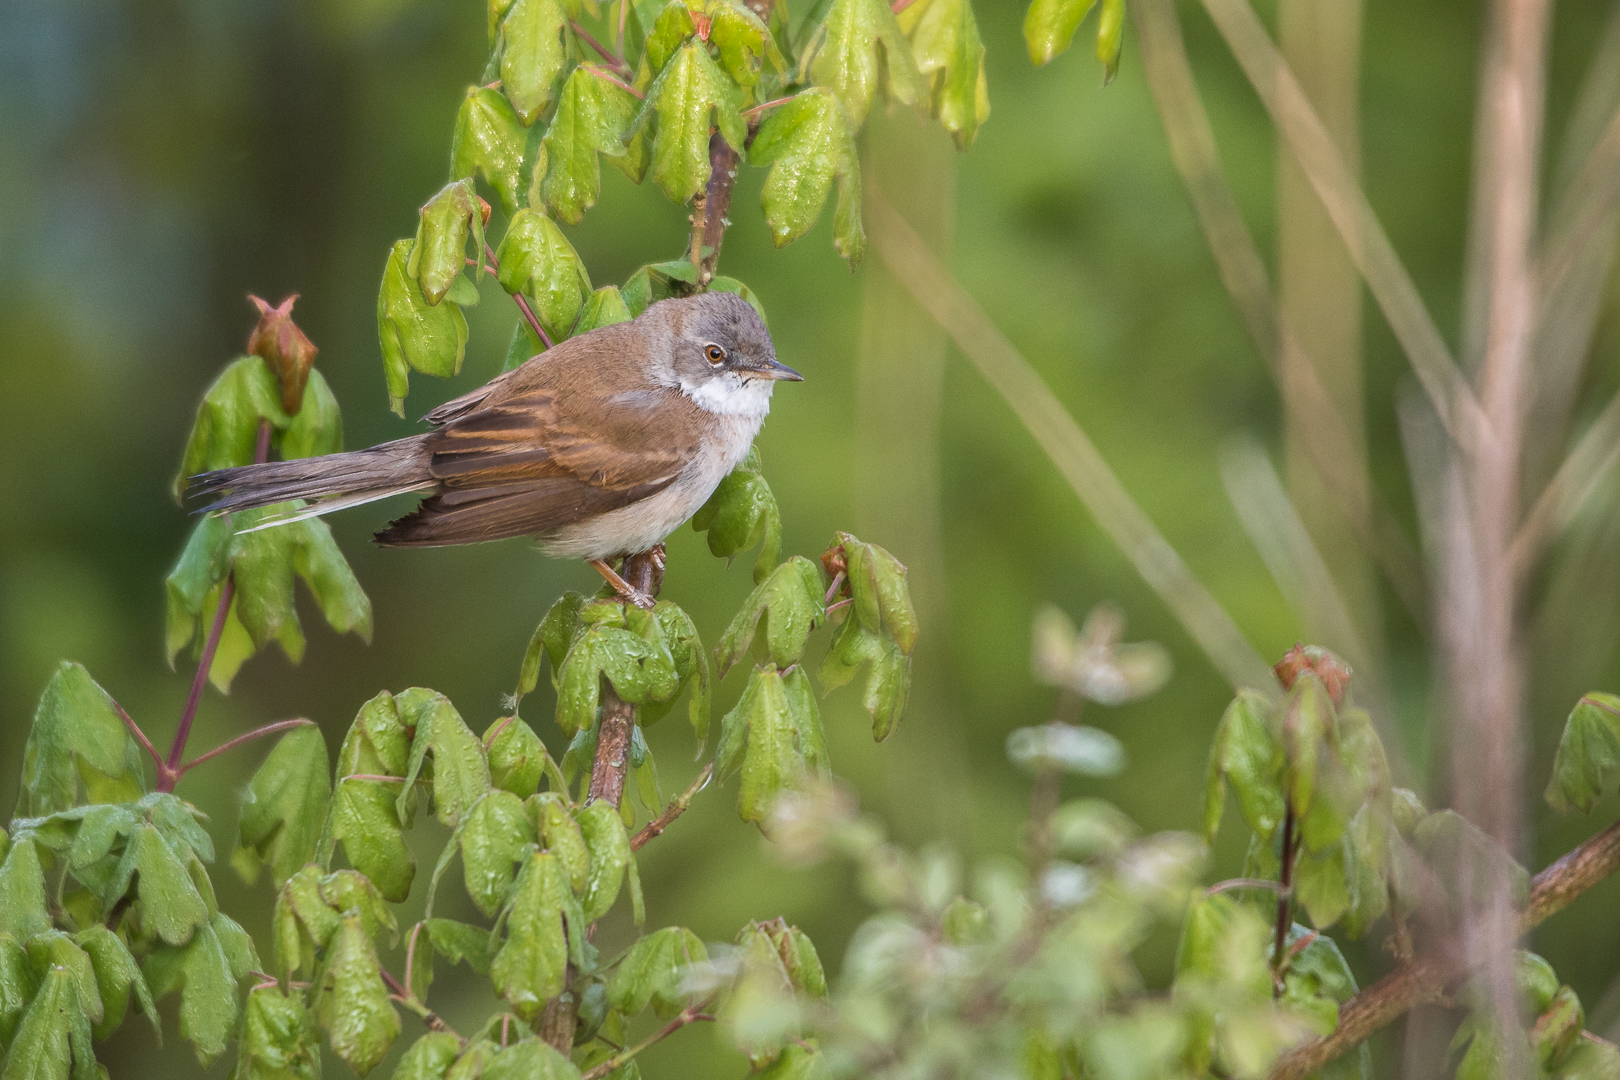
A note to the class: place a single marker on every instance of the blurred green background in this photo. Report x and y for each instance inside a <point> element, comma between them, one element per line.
<point>160,160</point>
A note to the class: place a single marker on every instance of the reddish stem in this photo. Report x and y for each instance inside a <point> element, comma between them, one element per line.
<point>522,302</point>
<point>140,736</point>
<point>768,105</point>
<point>599,47</point>
<point>1280,952</point>
<point>256,733</point>
<point>620,83</point>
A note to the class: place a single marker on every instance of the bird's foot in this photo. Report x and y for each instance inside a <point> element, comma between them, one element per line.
<point>625,590</point>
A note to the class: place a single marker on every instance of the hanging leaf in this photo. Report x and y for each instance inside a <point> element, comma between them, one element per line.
<point>117,976</point>
<point>414,334</point>
<point>489,141</point>
<point>808,143</point>
<point>278,1039</point>
<point>460,773</point>
<point>744,43</point>
<point>888,681</point>
<point>560,834</point>
<point>226,431</point>
<point>436,260</point>
<point>638,665</point>
<point>284,807</point>
<point>1245,755</point>
<point>653,971</point>
<point>604,307</point>
<point>1110,36</point>
<point>535,45</point>
<point>365,820</point>
<point>530,968</point>
<point>517,757</point>
<point>204,972</point>
<point>790,602</point>
<point>692,667</point>
<point>686,93</point>
<point>352,1001</point>
<point>538,261</point>
<point>877,588</point>
<point>742,512</point>
<point>317,427</point>
<point>609,846</point>
<point>429,1057</point>
<point>950,57</point>
<point>858,49</point>
<point>493,842</point>
<point>1050,25</point>
<point>774,736</point>
<point>594,116</point>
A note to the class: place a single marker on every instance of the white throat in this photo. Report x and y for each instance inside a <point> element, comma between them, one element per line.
<point>731,394</point>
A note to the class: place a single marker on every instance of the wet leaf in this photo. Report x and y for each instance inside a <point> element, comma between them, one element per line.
<point>460,772</point>
<point>742,512</point>
<point>53,1034</point>
<point>347,892</point>
<point>489,141</point>
<point>429,1057</point>
<point>365,820</point>
<point>1050,25</point>
<point>888,682</point>
<point>285,806</point>
<point>352,1005</point>
<point>562,837</point>
<point>278,1040</point>
<point>593,116</point>
<point>517,757</point>
<point>860,49</point>
<point>1245,755</point>
<point>117,976</point>
<point>535,46</point>
<point>551,640</point>
<point>640,668</point>
<point>808,143</point>
<point>447,221</point>
<point>531,966</point>
<point>604,307</point>
<point>530,1059</point>
<point>790,603</point>
<point>744,43</point>
<point>413,333</point>
<point>460,943</point>
<point>493,842</point>
<point>609,845</point>
<point>170,903</point>
<point>201,969</point>
<point>692,668</point>
<point>539,262</point>
<point>226,431</point>
<point>773,736</point>
<point>687,92</point>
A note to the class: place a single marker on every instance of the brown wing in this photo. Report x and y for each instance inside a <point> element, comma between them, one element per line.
<point>553,442</point>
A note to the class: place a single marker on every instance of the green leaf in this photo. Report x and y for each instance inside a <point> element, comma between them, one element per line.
<point>538,261</point>
<point>413,333</point>
<point>1589,1060</point>
<point>604,307</point>
<point>352,1005</point>
<point>56,949</point>
<point>860,49</point>
<point>742,512</point>
<point>791,603</point>
<point>493,842</point>
<point>170,903</point>
<point>460,772</point>
<point>808,143</point>
<point>562,837</point>
<point>76,722</point>
<point>1050,25</point>
<point>489,141</point>
<point>1223,945</point>
<point>351,893</point>
<point>460,942</point>
<point>888,682</point>
<point>763,737</point>
<point>1245,755</point>
<point>691,661</point>
<point>117,974</point>
<point>18,985</point>
<point>1308,725</point>
<point>377,742</point>
<point>226,431</point>
<point>531,966</point>
<point>878,590</point>
<point>278,1040</point>
<point>517,757</point>
<point>202,969</point>
<point>638,665</point>
<point>285,806</point>
<point>950,57</point>
<point>1321,884</point>
<point>440,251</point>
<point>594,115</point>
<point>659,281</point>
<point>609,846</point>
<point>671,29</point>
<point>744,42</point>
<point>317,428</point>
<point>365,820</point>
<point>652,971</point>
<point>535,45</point>
<point>1588,758</point>
<point>551,639</point>
<point>689,89</point>
<point>429,1057</point>
<point>43,1047</point>
<point>1317,982</point>
<point>530,1059</point>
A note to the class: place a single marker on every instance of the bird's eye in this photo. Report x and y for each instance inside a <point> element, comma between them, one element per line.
<point>714,352</point>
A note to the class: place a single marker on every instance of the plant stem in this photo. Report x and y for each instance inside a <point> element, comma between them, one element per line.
<point>522,301</point>
<point>404,997</point>
<point>691,1014</point>
<point>169,770</point>
<point>1425,978</point>
<point>256,733</point>
<point>675,809</point>
<point>717,203</point>
<point>598,46</point>
<point>620,83</point>
<point>1285,881</point>
<point>644,572</point>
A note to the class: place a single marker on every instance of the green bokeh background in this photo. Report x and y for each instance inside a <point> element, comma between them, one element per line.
<point>160,160</point>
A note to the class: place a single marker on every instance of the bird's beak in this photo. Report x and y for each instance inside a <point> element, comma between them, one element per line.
<point>778,370</point>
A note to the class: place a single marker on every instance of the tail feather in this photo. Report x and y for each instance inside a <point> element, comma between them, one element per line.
<point>333,482</point>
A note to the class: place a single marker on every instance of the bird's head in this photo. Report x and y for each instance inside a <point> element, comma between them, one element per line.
<point>724,358</point>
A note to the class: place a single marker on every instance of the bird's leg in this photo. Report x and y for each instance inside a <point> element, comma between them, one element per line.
<point>621,586</point>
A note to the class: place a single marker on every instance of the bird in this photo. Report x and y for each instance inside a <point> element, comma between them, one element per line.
<point>597,448</point>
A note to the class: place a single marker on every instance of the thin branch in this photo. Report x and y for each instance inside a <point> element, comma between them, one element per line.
<point>140,736</point>
<point>398,993</point>
<point>1284,893</point>
<point>675,809</point>
<point>1244,883</point>
<point>1001,365</point>
<point>256,733</point>
<point>832,590</point>
<point>599,47</point>
<point>757,109</point>
<point>1425,978</point>
<point>1369,246</point>
<point>713,205</point>
<point>522,301</point>
<point>690,1015</point>
<point>624,15</point>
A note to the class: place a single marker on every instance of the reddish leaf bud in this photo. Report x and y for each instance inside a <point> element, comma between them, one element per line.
<point>1334,672</point>
<point>282,345</point>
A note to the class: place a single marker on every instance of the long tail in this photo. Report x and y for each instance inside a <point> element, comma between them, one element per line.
<point>330,483</point>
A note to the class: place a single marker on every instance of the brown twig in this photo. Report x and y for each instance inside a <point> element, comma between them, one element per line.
<point>716,204</point>
<point>644,572</point>
<point>690,1015</point>
<point>1425,978</point>
<point>675,809</point>
<point>522,301</point>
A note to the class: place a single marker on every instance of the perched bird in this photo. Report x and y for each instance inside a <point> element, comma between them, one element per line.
<point>599,447</point>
